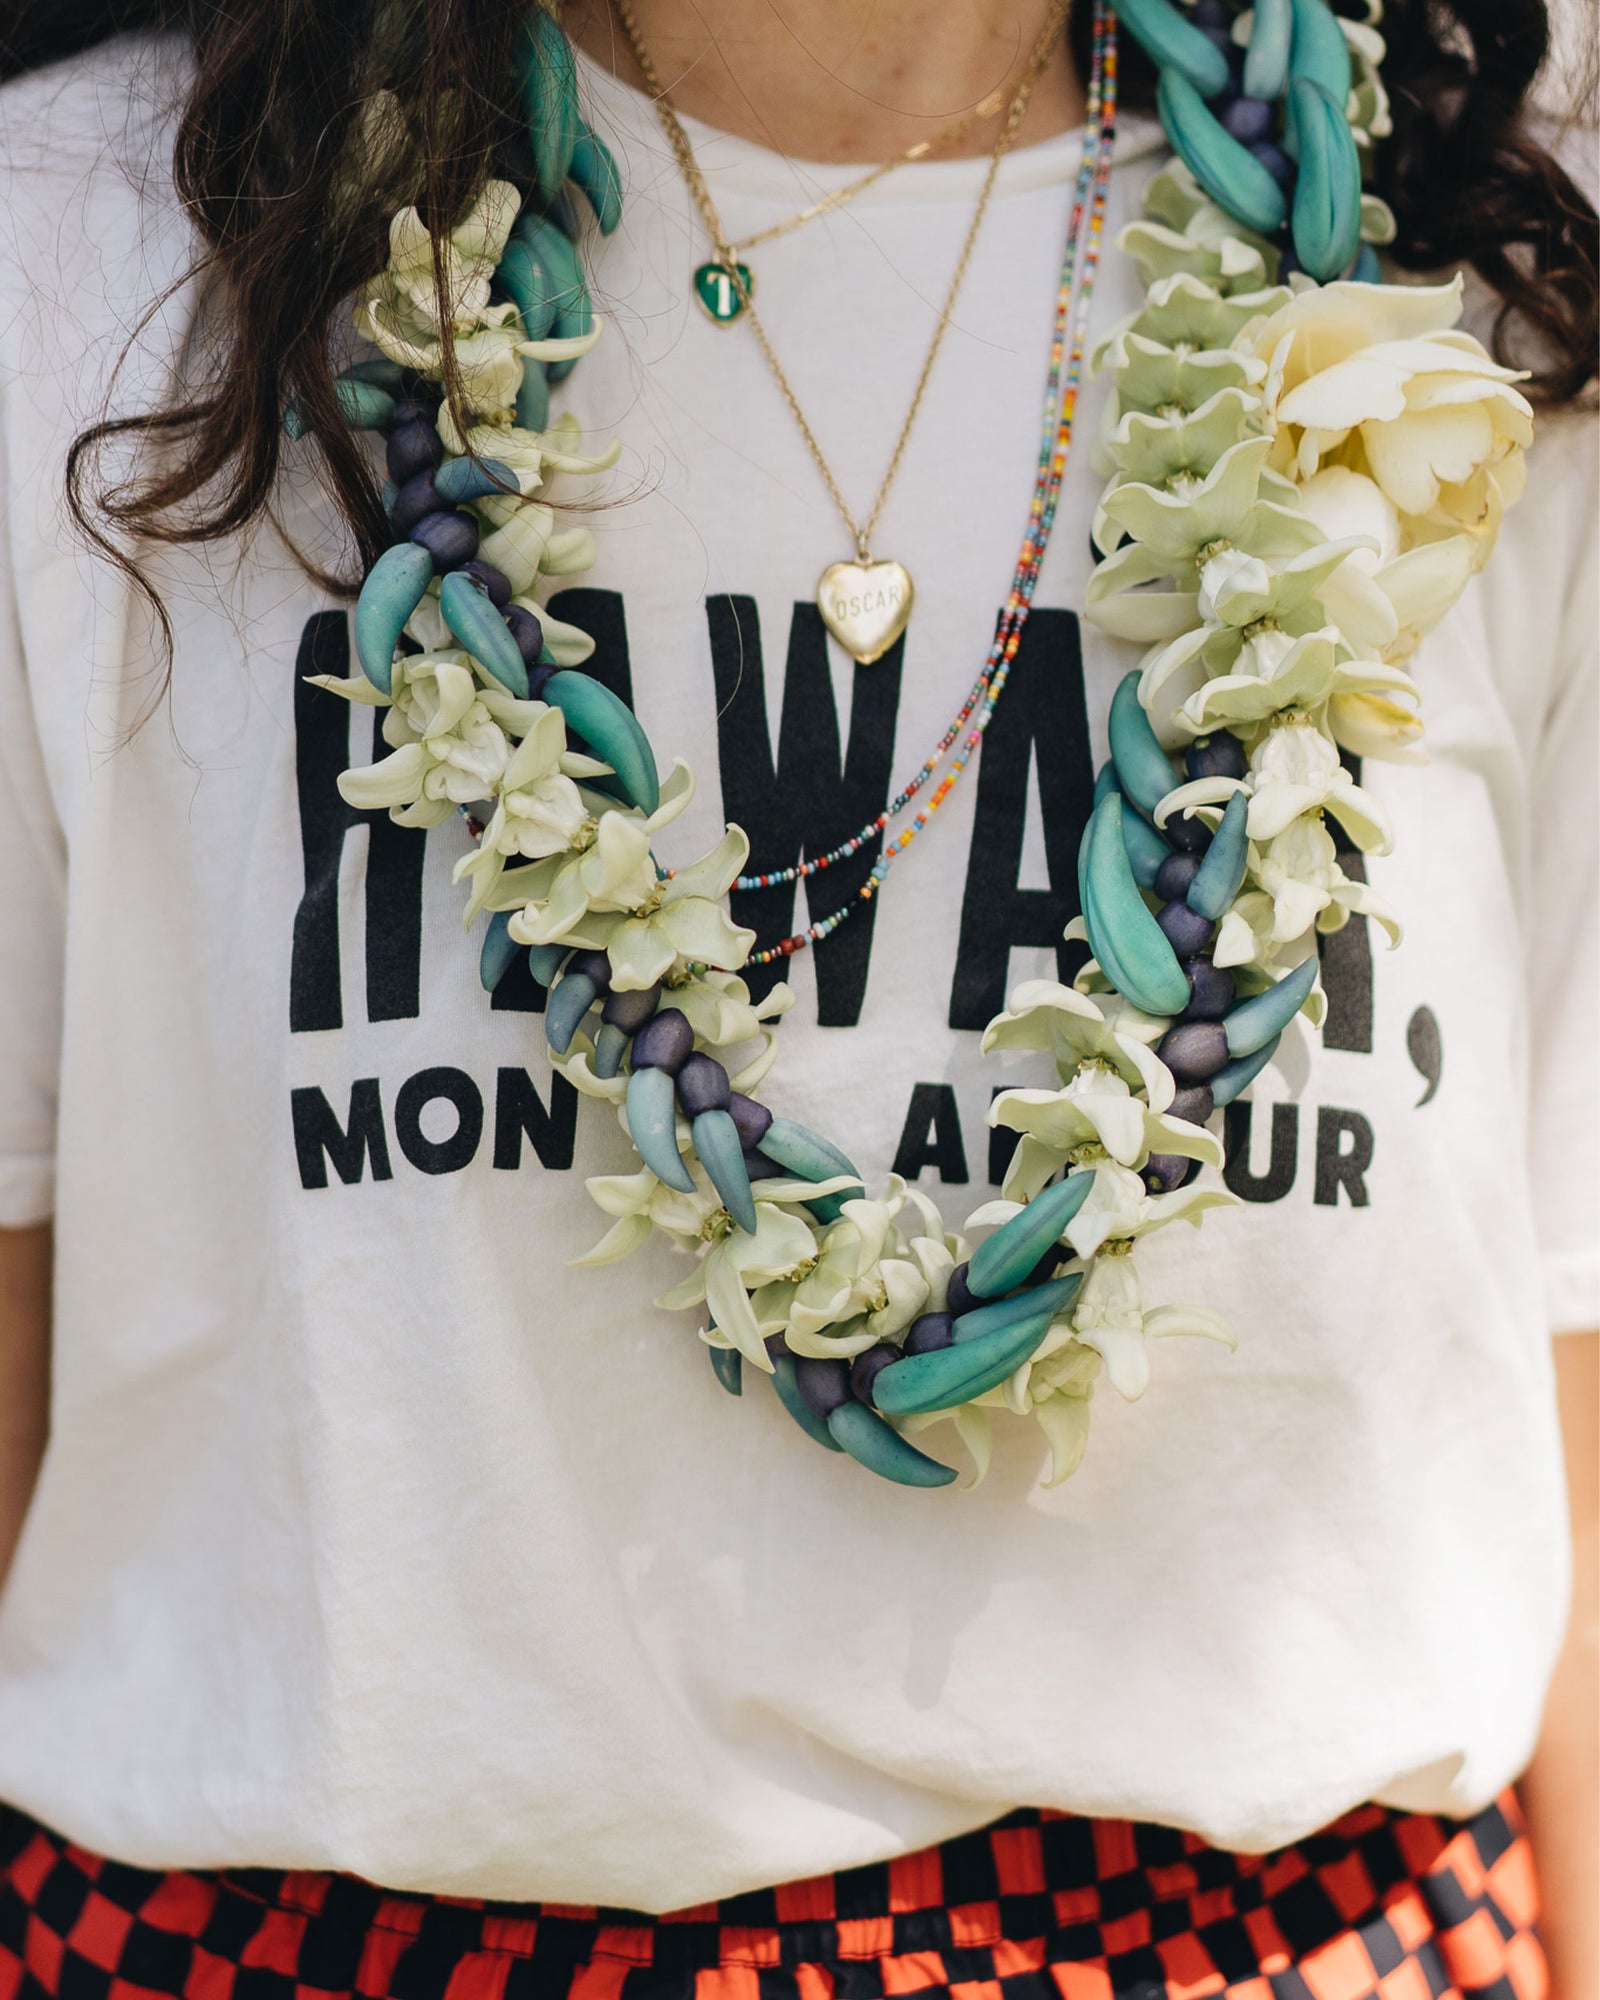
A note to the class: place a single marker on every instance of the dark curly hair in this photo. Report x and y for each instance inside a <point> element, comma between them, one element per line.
<point>263,163</point>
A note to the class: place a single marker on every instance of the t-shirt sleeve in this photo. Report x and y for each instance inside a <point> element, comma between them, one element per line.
<point>32,904</point>
<point>88,235</point>
<point>1564,934</point>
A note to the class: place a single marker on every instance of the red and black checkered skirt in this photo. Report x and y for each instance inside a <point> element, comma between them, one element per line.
<point>1380,1906</point>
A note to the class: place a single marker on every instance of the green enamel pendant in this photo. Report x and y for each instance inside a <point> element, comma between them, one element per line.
<point>714,287</point>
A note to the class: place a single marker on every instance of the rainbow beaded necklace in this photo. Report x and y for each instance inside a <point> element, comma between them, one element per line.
<point>1073,299</point>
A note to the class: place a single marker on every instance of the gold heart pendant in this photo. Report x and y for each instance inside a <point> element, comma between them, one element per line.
<point>865,606</point>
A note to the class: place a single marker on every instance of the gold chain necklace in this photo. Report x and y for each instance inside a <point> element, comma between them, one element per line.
<point>712,286</point>
<point>864,603</point>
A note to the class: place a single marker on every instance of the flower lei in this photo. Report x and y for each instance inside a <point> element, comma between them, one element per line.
<point>1306,470</point>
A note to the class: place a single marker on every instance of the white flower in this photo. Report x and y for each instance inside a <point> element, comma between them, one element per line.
<point>566,644</point>
<point>609,869</point>
<point>1379,378</point>
<point>1190,518</point>
<point>401,310</point>
<point>1157,448</point>
<point>1246,934</point>
<point>1166,382</point>
<point>1294,769</point>
<point>1117,1205</point>
<point>1108,1315</point>
<point>1191,233</point>
<point>738,1265</point>
<point>1096,1110</point>
<point>732,1264</point>
<point>605,893</point>
<point>1267,646</point>
<point>1370,725</point>
<point>859,1292</point>
<point>524,543</point>
<point>1414,587</point>
<point>449,748</point>
<point>1183,311</point>
<point>1247,942</point>
<point>540,810</point>
<point>529,454</point>
<point>1152,376</point>
<point>1056,1389</point>
<point>1369,102</point>
<point>1043,1014</point>
<point>468,258</point>
<point>1063,1414</point>
<point>718,1007</point>
<point>684,921</point>
<point>1177,529</point>
<point>1299,869</point>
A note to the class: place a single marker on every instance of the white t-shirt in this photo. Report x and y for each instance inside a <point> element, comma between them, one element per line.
<point>373,1537</point>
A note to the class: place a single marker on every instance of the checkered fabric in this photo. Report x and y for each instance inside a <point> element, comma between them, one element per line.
<point>1381,1906</point>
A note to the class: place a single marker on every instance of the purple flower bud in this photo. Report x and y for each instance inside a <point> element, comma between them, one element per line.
<point>750,1120</point>
<point>630,1011</point>
<point>867,1367</point>
<point>450,538</point>
<point>824,1384</point>
<point>1189,836</point>
<point>1174,876</point>
<point>1194,1051</point>
<point>494,582</point>
<point>414,502</point>
<point>1248,119</point>
<point>593,965</point>
<point>667,1042</point>
<point>703,1085</point>
<point>528,633</point>
<point>1194,1103</point>
<point>1056,1255</point>
<point>1211,990</point>
<point>1219,756</point>
<point>1275,160</point>
<point>931,1331</point>
<point>1185,930</point>
<point>414,445</point>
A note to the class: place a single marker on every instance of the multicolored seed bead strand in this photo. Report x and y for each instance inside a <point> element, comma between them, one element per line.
<point>1084,236</point>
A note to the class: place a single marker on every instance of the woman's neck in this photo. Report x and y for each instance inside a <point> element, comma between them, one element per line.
<point>841,80</point>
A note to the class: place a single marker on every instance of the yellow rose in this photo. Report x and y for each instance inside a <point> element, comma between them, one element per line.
<point>1379,379</point>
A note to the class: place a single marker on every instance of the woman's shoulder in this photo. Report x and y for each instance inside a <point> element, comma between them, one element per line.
<point>102,109</point>
<point>88,217</point>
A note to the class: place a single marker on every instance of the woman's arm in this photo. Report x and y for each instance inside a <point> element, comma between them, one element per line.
<point>1561,1792</point>
<point>24,1373</point>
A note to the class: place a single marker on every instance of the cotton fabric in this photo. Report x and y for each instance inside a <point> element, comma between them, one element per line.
<point>371,1536</point>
